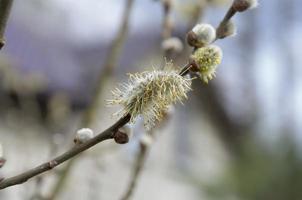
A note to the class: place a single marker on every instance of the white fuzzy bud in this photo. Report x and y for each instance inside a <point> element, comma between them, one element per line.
<point>243,5</point>
<point>201,35</point>
<point>173,44</point>
<point>83,135</point>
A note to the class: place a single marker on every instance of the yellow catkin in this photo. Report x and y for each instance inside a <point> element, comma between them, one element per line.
<point>207,58</point>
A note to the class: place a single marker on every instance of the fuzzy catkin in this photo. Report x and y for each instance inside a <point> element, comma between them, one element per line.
<point>149,94</point>
<point>207,58</point>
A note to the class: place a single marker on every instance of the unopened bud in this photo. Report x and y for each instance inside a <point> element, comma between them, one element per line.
<point>243,5</point>
<point>172,44</point>
<point>121,137</point>
<point>83,135</point>
<point>201,35</point>
<point>229,29</point>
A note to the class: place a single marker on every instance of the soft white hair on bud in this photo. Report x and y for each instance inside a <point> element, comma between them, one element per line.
<point>146,140</point>
<point>243,5</point>
<point>172,44</point>
<point>127,129</point>
<point>83,135</point>
<point>205,34</point>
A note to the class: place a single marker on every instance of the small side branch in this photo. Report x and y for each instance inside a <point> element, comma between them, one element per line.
<point>137,170</point>
<point>105,135</point>
<point>5,7</point>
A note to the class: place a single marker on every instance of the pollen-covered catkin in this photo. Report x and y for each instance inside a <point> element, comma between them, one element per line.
<point>207,59</point>
<point>150,93</point>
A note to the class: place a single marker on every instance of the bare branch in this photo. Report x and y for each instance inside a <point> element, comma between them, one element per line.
<point>137,170</point>
<point>105,135</point>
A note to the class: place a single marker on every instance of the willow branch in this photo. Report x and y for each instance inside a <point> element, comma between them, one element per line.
<point>5,7</point>
<point>105,135</point>
<point>69,154</point>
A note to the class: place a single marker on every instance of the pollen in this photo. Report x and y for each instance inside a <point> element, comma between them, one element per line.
<point>207,58</point>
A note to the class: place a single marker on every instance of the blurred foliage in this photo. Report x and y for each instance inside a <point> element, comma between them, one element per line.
<point>261,173</point>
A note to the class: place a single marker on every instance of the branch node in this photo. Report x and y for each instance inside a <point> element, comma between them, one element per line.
<point>52,164</point>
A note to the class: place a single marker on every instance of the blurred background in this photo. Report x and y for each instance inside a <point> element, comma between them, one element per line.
<point>236,138</point>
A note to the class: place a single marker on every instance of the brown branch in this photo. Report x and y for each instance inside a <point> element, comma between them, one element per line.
<point>5,7</point>
<point>105,135</point>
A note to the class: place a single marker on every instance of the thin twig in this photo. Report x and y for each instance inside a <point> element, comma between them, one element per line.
<point>137,170</point>
<point>5,7</point>
<point>111,61</point>
<point>106,72</point>
<point>105,135</point>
